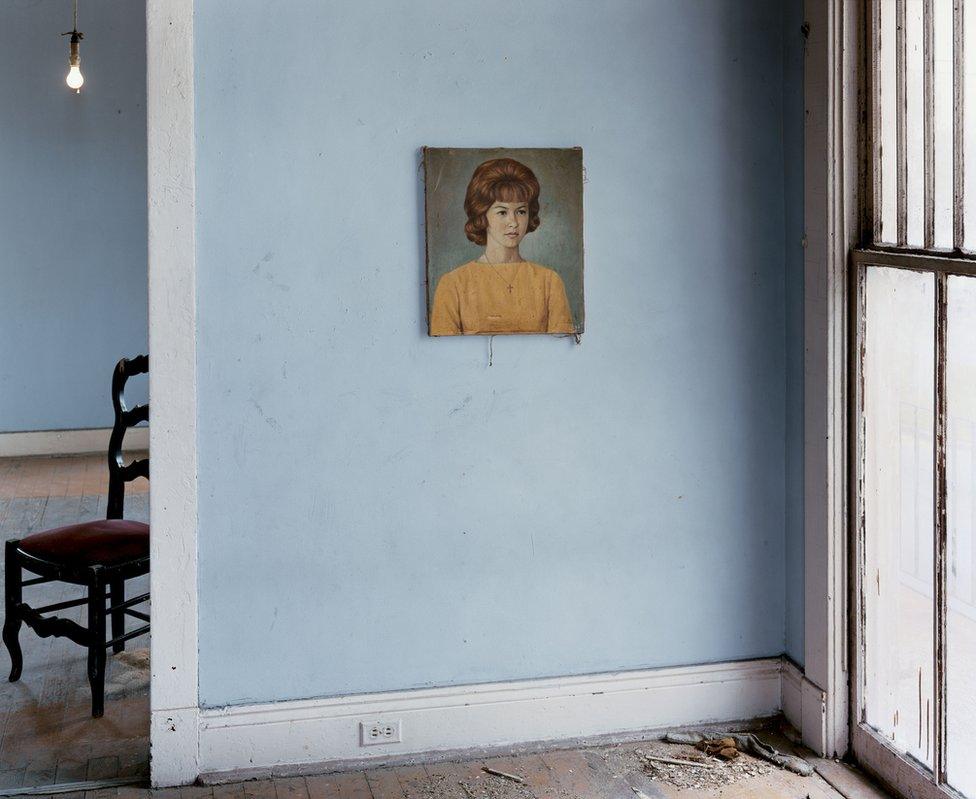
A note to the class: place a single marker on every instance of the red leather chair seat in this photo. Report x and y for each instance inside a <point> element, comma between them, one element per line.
<point>105,541</point>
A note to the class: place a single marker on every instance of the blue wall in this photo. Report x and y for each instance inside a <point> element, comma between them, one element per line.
<point>72,211</point>
<point>381,510</point>
<point>793,44</point>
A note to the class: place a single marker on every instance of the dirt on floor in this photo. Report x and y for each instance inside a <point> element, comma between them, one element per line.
<point>483,787</point>
<point>709,772</point>
<point>621,761</point>
<point>128,673</point>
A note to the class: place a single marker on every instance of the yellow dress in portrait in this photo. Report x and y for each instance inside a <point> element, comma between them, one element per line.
<point>484,298</point>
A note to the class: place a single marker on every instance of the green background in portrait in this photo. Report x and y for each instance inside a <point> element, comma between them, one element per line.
<point>556,243</point>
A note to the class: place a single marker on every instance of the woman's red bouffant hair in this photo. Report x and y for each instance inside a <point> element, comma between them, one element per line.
<point>499,180</point>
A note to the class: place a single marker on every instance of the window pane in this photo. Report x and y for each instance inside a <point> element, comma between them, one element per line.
<point>942,28</point>
<point>898,578</point>
<point>887,88</point>
<point>915,119</point>
<point>961,555</point>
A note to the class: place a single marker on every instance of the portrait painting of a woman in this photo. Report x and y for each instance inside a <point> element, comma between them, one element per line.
<point>499,291</point>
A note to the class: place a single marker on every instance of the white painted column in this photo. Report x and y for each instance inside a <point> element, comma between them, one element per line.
<point>172,391</point>
<point>830,219</point>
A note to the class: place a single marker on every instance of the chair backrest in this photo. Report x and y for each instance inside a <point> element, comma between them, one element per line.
<point>118,472</point>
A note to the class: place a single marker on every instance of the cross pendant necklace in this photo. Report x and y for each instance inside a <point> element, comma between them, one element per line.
<point>494,269</point>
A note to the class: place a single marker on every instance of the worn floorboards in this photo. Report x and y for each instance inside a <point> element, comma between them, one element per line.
<point>47,734</point>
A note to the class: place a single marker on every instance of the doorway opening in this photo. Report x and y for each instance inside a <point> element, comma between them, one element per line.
<point>73,301</point>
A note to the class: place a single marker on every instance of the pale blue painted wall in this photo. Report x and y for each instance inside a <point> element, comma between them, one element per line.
<point>72,211</point>
<point>381,510</point>
<point>793,44</point>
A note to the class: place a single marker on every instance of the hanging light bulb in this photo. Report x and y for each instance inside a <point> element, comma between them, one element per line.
<point>75,79</point>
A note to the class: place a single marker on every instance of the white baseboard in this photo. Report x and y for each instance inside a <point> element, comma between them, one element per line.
<point>326,731</point>
<point>804,707</point>
<point>792,698</point>
<point>68,442</point>
<point>814,730</point>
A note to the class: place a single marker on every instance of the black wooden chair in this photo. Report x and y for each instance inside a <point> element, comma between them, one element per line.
<point>100,555</point>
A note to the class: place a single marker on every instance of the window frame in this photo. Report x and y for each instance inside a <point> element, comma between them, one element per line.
<point>870,748</point>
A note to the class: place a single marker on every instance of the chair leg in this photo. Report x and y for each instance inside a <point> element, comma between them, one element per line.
<point>13,596</point>
<point>96,640</point>
<point>118,616</point>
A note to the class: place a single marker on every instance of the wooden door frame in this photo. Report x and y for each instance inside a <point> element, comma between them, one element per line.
<point>832,72</point>
<point>174,699</point>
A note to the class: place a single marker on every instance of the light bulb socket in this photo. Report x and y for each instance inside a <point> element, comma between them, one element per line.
<point>76,37</point>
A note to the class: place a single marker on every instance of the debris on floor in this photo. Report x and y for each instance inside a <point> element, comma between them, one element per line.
<point>486,783</point>
<point>719,747</point>
<point>136,659</point>
<point>505,774</point>
<point>742,742</point>
<point>485,790</point>
<point>682,765</point>
<point>127,673</point>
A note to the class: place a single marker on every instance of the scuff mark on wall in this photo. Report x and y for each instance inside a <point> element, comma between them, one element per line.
<point>464,404</point>
<point>271,421</point>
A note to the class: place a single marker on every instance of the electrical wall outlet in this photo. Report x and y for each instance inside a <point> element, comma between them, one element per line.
<point>386,731</point>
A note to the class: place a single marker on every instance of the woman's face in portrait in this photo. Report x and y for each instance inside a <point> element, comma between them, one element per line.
<point>508,223</point>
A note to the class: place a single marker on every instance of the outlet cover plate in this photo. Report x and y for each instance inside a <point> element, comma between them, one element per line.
<point>380,731</point>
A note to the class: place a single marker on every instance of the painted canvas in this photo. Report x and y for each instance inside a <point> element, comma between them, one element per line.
<point>504,241</point>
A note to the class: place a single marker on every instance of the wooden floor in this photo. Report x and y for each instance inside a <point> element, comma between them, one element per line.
<point>81,475</point>
<point>48,736</point>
